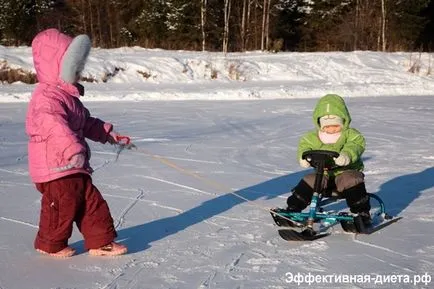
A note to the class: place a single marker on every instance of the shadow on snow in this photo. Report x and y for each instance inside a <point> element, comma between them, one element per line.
<point>138,238</point>
<point>400,192</point>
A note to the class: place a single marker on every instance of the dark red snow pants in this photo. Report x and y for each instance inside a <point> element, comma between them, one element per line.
<point>73,199</point>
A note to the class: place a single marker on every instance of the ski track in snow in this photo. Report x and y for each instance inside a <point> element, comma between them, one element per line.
<point>178,185</point>
<point>355,240</point>
<point>13,184</point>
<point>191,160</point>
<point>18,222</point>
<point>140,199</point>
<point>404,269</point>
<point>14,172</point>
<point>207,283</point>
<point>121,218</point>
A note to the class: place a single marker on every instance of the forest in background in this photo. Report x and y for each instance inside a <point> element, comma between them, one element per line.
<point>228,25</point>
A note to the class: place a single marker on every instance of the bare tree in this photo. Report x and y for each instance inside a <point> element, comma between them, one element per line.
<point>203,22</point>
<point>356,26</point>
<point>267,26</point>
<point>83,15</point>
<point>383,25</point>
<point>100,26</point>
<point>92,33</point>
<point>245,23</point>
<point>227,13</point>
<point>265,31</point>
<point>248,20</point>
<point>110,20</point>
<point>264,12</point>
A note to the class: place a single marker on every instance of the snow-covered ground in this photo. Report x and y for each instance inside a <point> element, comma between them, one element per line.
<point>172,200</point>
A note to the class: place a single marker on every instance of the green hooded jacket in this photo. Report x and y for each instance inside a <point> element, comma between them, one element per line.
<point>350,142</point>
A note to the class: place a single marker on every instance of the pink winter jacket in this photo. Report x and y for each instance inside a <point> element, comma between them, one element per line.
<point>57,123</point>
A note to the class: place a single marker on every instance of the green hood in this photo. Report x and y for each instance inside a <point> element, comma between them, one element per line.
<point>331,104</point>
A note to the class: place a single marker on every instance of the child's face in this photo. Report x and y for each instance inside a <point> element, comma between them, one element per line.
<point>332,129</point>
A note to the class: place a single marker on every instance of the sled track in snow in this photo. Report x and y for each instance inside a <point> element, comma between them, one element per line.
<point>355,240</point>
<point>121,218</point>
<point>19,222</point>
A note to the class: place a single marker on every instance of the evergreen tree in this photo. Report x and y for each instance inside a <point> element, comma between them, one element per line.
<point>18,19</point>
<point>426,37</point>
<point>323,29</point>
<point>183,24</point>
<point>289,22</point>
<point>406,22</point>
<point>170,24</point>
<point>145,22</point>
<point>215,24</point>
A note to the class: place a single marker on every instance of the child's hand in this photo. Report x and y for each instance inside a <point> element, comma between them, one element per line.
<point>304,163</point>
<point>112,138</point>
<point>342,160</point>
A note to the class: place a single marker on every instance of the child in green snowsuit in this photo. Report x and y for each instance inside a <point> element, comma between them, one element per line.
<point>332,132</point>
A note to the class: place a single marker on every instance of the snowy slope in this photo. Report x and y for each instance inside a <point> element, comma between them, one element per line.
<point>140,74</point>
<point>172,199</point>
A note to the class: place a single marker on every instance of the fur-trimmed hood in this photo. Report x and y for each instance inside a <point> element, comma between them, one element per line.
<point>58,57</point>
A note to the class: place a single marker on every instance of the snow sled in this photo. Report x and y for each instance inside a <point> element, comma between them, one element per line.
<point>315,224</point>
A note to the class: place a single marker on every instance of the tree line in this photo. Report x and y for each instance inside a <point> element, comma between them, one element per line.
<point>228,25</point>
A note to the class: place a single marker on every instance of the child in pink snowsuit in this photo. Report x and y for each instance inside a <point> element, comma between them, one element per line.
<point>57,124</point>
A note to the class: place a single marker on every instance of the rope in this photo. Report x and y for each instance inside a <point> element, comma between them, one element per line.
<point>210,182</point>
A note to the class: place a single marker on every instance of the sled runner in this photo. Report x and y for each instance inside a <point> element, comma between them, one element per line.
<point>315,224</point>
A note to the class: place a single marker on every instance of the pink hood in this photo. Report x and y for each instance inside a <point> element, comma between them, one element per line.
<point>48,48</point>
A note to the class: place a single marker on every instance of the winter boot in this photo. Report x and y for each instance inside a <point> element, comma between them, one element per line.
<point>366,218</point>
<point>300,198</point>
<point>358,200</point>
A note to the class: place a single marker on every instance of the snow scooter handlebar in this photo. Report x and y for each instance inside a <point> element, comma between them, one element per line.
<point>320,158</point>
